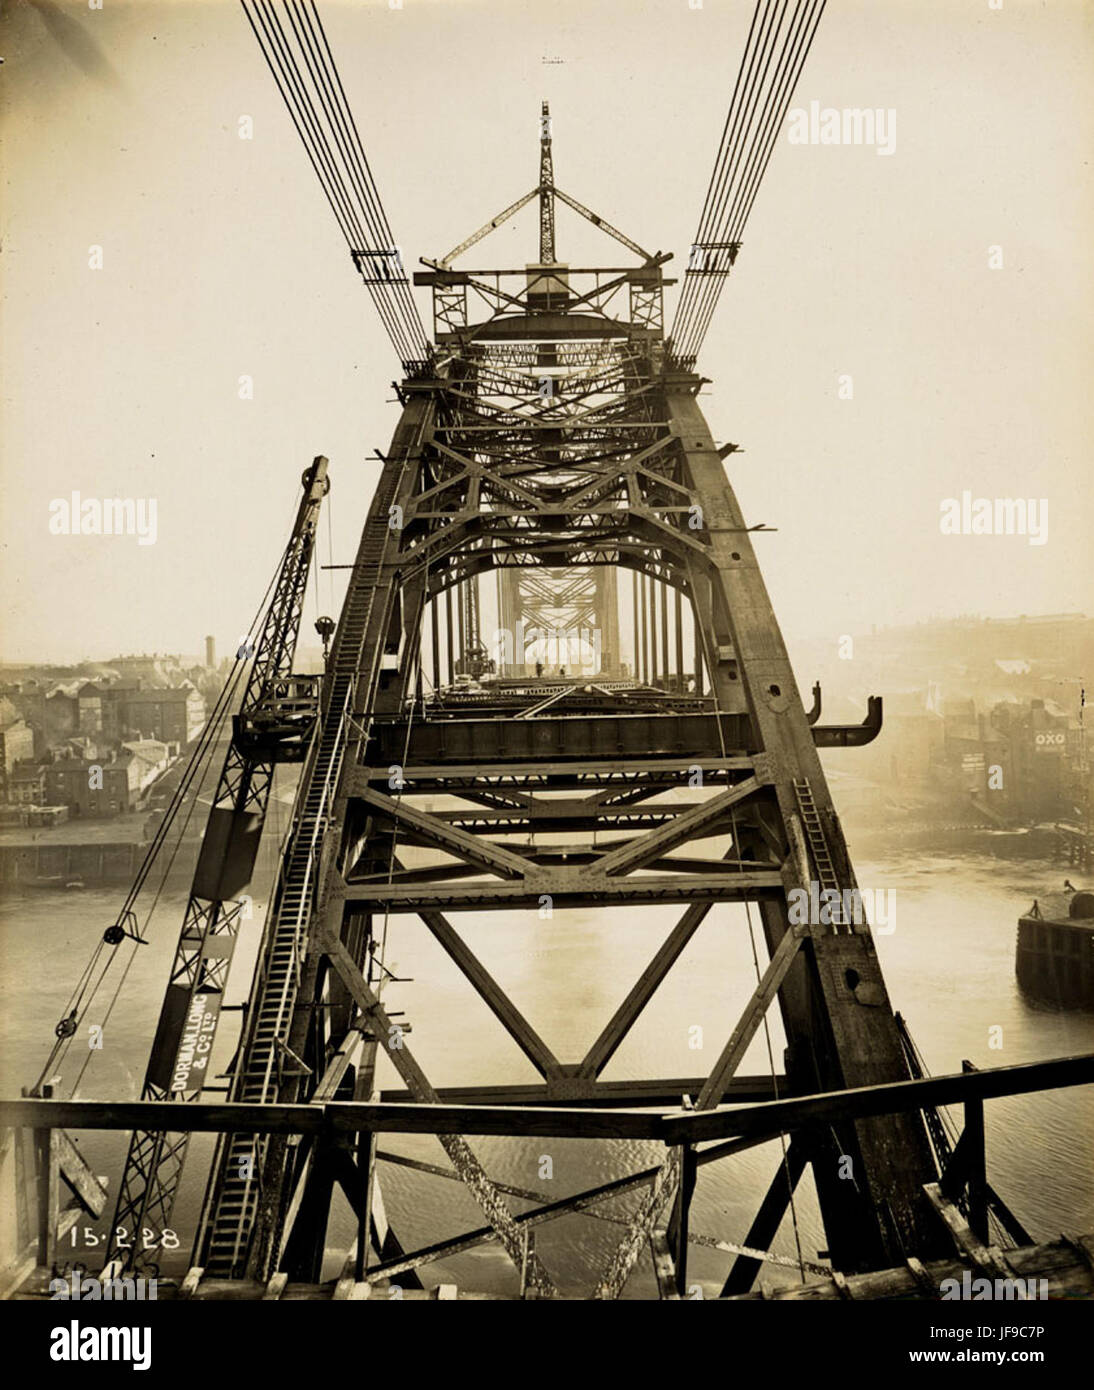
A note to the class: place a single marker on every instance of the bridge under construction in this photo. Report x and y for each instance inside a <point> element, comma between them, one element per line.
<point>551,464</point>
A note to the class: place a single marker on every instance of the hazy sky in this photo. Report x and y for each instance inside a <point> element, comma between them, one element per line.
<point>221,258</point>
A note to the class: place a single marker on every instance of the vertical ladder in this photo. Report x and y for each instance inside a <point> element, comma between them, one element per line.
<point>818,844</point>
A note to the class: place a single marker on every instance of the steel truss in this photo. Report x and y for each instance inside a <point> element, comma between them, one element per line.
<point>962,1198</point>
<point>549,443</point>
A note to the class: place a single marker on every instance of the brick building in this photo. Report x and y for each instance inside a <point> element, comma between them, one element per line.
<point>75,783</point>
<point>1044,748</point>
<point>172,715</point>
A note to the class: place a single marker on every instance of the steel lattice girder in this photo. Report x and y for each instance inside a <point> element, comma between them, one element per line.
<point>615,467</point>
<point>717,561</point>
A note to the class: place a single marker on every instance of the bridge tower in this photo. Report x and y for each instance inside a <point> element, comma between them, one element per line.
<point>606,480</point>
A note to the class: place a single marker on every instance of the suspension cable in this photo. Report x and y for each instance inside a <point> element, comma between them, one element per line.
<point>779,40</point>
<point>301,62</point>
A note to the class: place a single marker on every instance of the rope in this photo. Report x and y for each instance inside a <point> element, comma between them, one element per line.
<point>197,769</point>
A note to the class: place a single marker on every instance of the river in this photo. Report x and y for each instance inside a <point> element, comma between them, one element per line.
<point>948,964</point>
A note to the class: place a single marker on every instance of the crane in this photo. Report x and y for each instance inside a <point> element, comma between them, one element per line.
<point>274,725</point>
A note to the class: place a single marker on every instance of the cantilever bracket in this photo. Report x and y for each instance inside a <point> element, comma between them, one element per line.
<point>851,735</point>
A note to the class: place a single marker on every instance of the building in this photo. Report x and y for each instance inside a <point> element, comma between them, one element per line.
<point>91,750</point>
<point>27,698</point>
<point>912,735</point>
<point>89,708</point>
<point>16,744</point>
<point>172,715</point>
<point>156,670</point>
<point>975,761</point>
<point>27,785</point>
<point>151,759</point>
<point>95,789</point>
<point>1043,740</point>
<point>50,710</point>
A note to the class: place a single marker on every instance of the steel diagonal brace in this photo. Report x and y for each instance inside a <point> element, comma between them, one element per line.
<point>505,484</point>
<point>640,1228</point>
<point>660,481</point>
<point>686,826</point>
<point>483,231</point>
<point>604,486</point>
<point>476,469</point>
<point>439,545</point>
<point>668,1177</point>
<point>624,1018</point>
<point>640,510</point>
<point>534,710</point>
<point>585,1203</point>
<point>607,227</point>
<point>733,1052</point>
<point>449,837</point>
<point>458,1149</point>
<point>430,494</point>
<point>609,288</point>
<point>495,998</point>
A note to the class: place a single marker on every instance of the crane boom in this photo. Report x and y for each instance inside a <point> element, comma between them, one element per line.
<point>546,190</point>
<point>274,724</point>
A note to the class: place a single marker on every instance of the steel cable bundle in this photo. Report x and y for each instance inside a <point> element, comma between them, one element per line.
<point>302,65</point>
<point>779,39</point>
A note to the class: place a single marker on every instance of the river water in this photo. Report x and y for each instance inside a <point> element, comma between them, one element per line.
<point>949,967</point>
